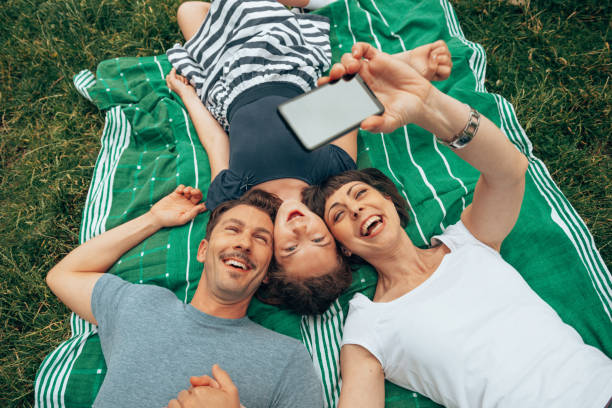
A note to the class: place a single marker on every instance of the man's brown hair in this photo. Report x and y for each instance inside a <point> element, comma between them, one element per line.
<point>260,199</point>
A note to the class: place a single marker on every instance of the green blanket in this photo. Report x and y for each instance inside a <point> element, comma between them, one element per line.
<point>149,146</point>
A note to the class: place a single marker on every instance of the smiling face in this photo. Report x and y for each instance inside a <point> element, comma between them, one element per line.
<point>303,246</point>
<point>362,219</point>
<point>238,253</point>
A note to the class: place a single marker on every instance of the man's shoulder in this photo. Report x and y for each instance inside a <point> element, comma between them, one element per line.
<point>114,289</point>
<point>280,347</point>
<point>266,334</point>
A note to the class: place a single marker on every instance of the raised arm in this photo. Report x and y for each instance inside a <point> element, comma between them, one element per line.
<point>211,134</point>
<point>74,277</point>
<point>410,98</point>
<point>363,379</point>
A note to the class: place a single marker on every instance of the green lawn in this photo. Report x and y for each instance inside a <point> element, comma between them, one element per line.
<point>551,59</point>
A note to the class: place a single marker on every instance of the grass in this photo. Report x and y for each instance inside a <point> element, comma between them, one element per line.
<point>551,59</point>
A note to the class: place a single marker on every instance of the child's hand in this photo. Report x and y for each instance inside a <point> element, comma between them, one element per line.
<point>179,84</point>
<point>432,61</point>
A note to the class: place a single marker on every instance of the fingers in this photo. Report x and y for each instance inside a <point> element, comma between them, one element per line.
<point>223,379</point>
<point>192,213</point>
<point>204,380</point>
<point>182,397</point>
<point>192,194</point>
<point>379,124</point>
<point>372,124</point>
<point>174,404</point>
<point>337,71</point>
<point>322,80</point>
<point>364,50</point>
<point>442,60</point>
<point>443,71</point>
<point>347,66</point>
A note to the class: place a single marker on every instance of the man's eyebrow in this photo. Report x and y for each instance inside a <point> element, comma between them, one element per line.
<point>234,221</point>
<point>263,230</point>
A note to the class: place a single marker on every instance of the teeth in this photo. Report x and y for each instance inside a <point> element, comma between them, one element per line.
<point>235,263</point>
<point>368,223</point>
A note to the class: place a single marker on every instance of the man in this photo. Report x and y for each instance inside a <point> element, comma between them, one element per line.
<point>153,343</point>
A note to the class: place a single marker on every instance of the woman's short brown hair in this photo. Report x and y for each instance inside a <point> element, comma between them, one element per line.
<point>316,196</point>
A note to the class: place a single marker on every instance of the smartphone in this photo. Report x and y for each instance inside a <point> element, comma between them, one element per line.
<point>329,111</point>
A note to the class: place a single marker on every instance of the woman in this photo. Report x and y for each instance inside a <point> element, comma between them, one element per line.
<point>241,59</point>
<point>453,322</point>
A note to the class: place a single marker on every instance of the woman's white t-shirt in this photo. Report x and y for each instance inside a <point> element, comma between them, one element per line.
<point>476,335</point>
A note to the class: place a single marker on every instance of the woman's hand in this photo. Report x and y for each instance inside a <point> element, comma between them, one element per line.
<point>402,90</point>
<point>178,207</point>
<point>179,84</point>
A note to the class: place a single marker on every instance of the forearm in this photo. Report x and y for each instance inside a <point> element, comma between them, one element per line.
<point>294,3</point>
<point>72,280</point>
<point>101,252</point>
<point>490,151</point>
<point>498,194</point>
<point>211,134</point>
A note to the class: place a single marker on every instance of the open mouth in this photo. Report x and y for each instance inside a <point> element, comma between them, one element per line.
<point>371,226</point>
<point>293,214</point>
<point>237,263</point>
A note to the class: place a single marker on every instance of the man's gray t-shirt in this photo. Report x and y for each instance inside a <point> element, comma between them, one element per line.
<point>153,343</point>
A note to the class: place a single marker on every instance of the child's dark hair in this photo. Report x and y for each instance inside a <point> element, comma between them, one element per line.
<point>308,296</point>
<point>315,196</point>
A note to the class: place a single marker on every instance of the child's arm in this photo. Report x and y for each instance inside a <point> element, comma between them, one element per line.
<point>294,3</point>
<point>211,134</point>
<point>307,4</point>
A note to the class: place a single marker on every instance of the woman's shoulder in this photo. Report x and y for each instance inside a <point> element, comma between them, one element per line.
<point>458,236</point>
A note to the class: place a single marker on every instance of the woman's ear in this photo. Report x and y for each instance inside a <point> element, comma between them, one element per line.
<point>346,252</point>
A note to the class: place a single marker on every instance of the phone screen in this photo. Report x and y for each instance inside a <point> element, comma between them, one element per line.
<point>329,111</point>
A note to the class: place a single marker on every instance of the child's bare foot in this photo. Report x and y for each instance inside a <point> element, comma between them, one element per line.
<point>433,60</point>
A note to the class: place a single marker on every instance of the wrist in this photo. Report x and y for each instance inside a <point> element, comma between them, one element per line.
<point>188,93</point>
<point>443,115</point>
<point>151,222</point>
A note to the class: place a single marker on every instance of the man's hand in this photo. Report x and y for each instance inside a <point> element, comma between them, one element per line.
<point>402,90</point>
<point>207,392</point>
<point>178,207</point>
